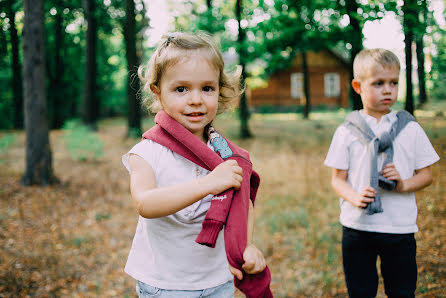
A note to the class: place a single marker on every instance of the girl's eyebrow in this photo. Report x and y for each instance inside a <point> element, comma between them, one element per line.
<point>185,82</point>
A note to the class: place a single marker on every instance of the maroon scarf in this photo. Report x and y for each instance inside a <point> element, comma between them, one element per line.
<point>229,209</point>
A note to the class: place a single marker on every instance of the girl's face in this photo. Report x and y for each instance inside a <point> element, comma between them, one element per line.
<point>189,92</point>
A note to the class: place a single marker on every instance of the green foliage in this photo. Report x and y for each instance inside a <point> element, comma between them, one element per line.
<point>82,143</point>
<point>438,73</point>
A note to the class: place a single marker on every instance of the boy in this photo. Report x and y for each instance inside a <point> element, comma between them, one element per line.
<point>377,221</point>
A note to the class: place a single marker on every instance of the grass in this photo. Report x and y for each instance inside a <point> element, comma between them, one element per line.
<point>73,239</point>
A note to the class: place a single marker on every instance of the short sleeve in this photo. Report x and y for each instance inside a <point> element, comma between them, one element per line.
<point>425,154</point>
<point>338,153</point>
<point>147,150</point>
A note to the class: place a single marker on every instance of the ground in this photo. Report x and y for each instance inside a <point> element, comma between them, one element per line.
<point>72,239</point>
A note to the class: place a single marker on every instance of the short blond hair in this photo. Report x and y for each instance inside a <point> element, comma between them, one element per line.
<point>368,58</point>
<point>173,48</point>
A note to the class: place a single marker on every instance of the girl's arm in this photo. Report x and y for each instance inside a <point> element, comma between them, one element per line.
<point>153,202</point>
<point>421,179</point>
<point>345,191</point>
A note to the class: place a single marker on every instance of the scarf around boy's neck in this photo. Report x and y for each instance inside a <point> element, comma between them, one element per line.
<point>377,144</point>
<point>229,209</point>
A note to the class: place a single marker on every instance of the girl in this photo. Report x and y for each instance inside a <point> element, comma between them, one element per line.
<point>174,193</point>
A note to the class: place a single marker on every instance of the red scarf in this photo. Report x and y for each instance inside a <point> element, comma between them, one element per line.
<point>229,209</point>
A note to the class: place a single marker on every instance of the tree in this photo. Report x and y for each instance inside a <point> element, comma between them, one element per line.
<point>90,104</point>
<point>356,45</point>
<point>307,107</point>
<point>38,153</point>
<point>16,67</point>
<point>134,110</point>
<point>410,15</point>
<point>421,30</point>
<point>244,112</point>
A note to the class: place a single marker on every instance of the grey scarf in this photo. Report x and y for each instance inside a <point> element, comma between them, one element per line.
<point>383,143</point>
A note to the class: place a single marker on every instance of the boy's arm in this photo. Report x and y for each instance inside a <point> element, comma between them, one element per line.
<point>345,191</point>
<point>421,179</point>
<point>153,202</point>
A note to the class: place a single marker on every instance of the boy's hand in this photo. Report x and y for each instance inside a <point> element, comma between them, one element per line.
<point>226,175</point>
<point>365,197</point>
<point>390,172</point>
<point>254,262</point>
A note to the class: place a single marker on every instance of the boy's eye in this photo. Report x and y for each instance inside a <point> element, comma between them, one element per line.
<point>379,83</point>
<point>208,89</point>
<point>180,89</point>
<point>395,83</point>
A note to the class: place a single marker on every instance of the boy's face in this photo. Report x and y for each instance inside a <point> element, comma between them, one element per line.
<point>378,90</point>
<point>189,92</point>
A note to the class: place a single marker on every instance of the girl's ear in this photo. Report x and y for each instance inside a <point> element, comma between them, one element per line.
<point>155,90</point>
<point>356,86</point>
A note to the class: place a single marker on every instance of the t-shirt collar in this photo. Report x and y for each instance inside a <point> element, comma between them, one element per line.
<point>371,121</point>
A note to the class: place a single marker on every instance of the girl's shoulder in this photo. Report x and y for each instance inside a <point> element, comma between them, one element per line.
<point>148,150</point>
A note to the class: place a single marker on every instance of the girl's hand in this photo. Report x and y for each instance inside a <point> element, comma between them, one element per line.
<point>390,172</point>
<point>365,197</point>
<point>254,262</point>
<point>226,175</point>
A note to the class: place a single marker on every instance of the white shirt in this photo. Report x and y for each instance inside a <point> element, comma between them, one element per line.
<point>412,151</point>
<point>164,253</point>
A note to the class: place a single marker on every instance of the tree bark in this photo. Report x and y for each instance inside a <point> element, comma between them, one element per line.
<point>356,43</point>
<point>16,70</point>
<point>38,153</point>
<point>420,54</point>
<point>307,107</point>
<point>90,105</point>
<point>59,114</point>
<point>134,109</point>
<point>408,39</point>
<point>244,111</point>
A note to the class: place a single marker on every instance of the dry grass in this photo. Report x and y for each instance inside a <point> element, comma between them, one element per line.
<point>73,239</point>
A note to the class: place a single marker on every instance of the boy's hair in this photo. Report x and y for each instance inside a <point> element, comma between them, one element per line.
<point>171,50</point>
<point>368,58</point>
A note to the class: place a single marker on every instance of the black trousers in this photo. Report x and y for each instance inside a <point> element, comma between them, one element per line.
<point>398,263</point>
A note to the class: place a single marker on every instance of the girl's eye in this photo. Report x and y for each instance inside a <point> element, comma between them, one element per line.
<point>208,89</point>
<point>181,89</point>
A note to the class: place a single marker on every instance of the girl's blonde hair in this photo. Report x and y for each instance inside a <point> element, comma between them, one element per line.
<point>368,58</point>
<point>171,51</point>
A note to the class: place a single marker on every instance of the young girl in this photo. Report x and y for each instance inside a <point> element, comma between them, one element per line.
<point>177,177</point>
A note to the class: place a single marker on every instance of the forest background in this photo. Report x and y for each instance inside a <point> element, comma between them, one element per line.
<point>74,81</point>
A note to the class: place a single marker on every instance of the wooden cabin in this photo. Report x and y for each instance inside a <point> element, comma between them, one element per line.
<point>329,83</point>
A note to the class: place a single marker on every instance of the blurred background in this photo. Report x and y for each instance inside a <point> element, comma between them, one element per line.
<point>81,98</point>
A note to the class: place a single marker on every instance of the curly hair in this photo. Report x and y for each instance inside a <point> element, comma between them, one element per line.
<point>173,48</point>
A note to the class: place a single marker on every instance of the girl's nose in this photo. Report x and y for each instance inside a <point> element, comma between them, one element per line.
<point>195,97</point>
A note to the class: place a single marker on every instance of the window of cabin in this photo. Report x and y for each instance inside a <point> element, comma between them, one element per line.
<point>332,84</point>
<point>297,84</point>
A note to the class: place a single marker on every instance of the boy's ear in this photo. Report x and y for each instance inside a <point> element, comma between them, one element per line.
<point>356,86</point>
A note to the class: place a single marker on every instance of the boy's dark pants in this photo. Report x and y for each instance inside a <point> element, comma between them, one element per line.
<point>398,263</point>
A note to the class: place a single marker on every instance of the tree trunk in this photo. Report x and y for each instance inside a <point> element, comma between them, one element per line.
<point>90,105</point>
<point>307,107</point>
<point>420,54</point>
<point>134,110</point>
<point>356,43</point>
<point>38,153</point>
<point>16,70</point>
<point>59,114</point>
<point>244,111</point>
<point>209,3</point>
<point>408,38</point>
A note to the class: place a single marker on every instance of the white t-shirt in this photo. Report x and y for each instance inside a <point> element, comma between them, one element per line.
<point>412,151</point>
<point>164,253</point>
